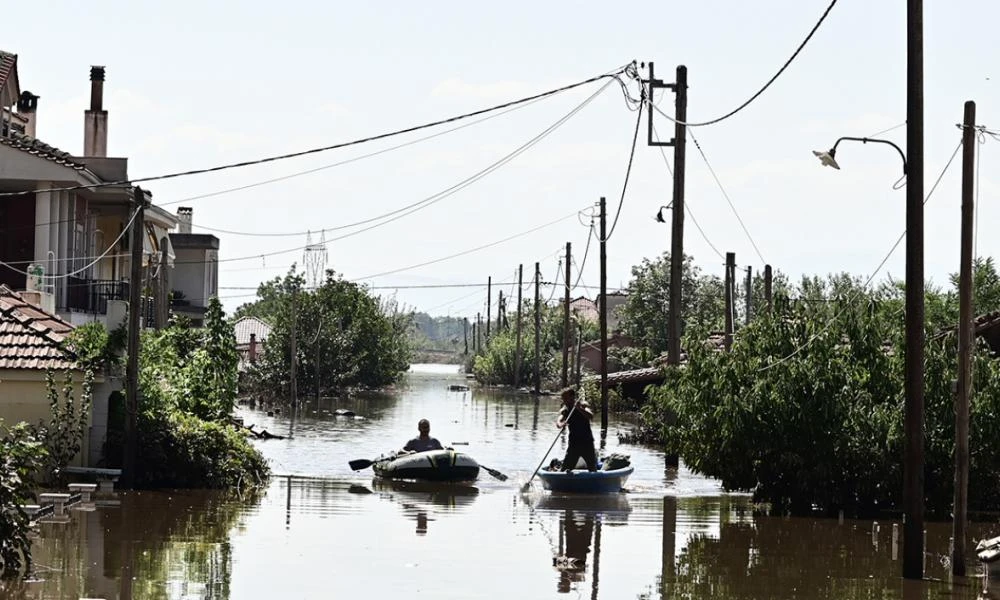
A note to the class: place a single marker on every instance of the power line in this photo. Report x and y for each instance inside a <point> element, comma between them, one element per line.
<point>726,196</point>
<point>332,165</point>
<point>769,81</point>
<point>433,199</point>
<point>469,251</point>
<point>612,75</point>
<point>628,171</point>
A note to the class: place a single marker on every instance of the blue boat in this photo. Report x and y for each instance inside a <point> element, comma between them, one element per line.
<point>586,482</point>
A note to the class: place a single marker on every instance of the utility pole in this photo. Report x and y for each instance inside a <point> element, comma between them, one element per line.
<point>293,384</point>
<point>517,352</point>
<point>730,271</point>
<point>749,302</point>
<point>566,340</point>
<point>913,460</point>
<point>163,297</point>
<point>677,224</point>
<point>538,330</point>
<point>965,345</point>
<point>604,315</point>
<point>130,460</point>
<point>319,330</point>
<point>465,332</point>
<point>478,332</point>
<point>489,308</point>
<point>501,309</point>
<point>767,288</point>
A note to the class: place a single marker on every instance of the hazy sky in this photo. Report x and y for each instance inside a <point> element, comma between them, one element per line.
<point>195,84</point>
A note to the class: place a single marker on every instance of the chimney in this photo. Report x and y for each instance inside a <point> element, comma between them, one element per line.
<point>95,120</point>
<point>184,217</point>
<point>27,105</point>
<point>253,348</point>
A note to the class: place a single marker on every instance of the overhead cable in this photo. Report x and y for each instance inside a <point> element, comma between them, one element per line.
<point>610,75</point>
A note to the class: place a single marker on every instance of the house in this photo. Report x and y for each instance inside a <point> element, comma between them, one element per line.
<point>589,310</point>
<point>64,219</point>
<point>32,343</point>
<point>195,276</point>
<point>251,335</point>
<point>590,352</point>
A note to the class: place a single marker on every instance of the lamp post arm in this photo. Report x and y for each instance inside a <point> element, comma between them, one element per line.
<point>865,140</point>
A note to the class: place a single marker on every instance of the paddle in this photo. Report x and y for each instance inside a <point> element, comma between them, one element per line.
<point>527,484</point>
<point>361,463</point>
<point>494,472</point>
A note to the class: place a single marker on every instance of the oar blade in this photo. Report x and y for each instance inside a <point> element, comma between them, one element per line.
<point>361,463</point>
<point>494,473</point>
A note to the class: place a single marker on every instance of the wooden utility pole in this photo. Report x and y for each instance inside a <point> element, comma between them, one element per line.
<point>566,334</point>
<point>478,332</point>
<point>965,344</point>
<point>913,459</point>
<point>767,288</point>
<point>517,351</point>
<point>501,309</point>
<point>538,330</point>
<point>749,301</point>
<point>604,314</point>
<point>730,271</point>
<point>130,459</point>
<point>489,308</point>
<point>163,295</point>
<point>465,332</point>
<point>677,223</point>
<point>293,390</point>
<point>319,331</point>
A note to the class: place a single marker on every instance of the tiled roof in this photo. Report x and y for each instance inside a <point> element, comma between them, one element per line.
<point>40,149</point>
<point>7,62</point>
<point>30,338</point>
<point>247,325</point>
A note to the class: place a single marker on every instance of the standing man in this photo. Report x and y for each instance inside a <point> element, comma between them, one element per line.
<point>424,442</point>
<point>581,439</point>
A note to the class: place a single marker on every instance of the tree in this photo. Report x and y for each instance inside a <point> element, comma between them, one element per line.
<point>21,454</point>
<point>345,337</point>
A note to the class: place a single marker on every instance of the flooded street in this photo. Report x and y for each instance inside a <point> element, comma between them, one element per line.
<point>321,530</point>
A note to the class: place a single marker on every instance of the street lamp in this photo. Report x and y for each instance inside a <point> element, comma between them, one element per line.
<point>829,157</point>
<point>659,213</point>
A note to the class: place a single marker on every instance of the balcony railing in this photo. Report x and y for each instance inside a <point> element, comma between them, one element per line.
<point>92,295</point>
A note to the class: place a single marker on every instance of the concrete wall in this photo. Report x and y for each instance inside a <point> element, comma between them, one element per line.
<point>23,398</point>
<point>191,274</point>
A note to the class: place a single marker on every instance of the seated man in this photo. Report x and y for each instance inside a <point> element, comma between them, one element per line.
<point>424,442</point>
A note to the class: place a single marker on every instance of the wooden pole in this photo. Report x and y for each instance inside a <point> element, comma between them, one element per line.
<point>677,223</point>
<point>604,314</point>
<point>566,333</point>
<point>489,308</point>
<point>538,330</point>
<point>500,311</point>
<point>293,390</point>
<point>517,351</point>
<point>730,269</point>
<point>749,291</point>
<point>767,288</point>
<point>130,463</point>
<point>965,344</point>
<point>913,424</point>
<point>479,332</point>
<point>465,332</point>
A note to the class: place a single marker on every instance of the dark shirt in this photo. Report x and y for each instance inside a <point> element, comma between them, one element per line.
<point>579,425</point>
<point>422,445</point>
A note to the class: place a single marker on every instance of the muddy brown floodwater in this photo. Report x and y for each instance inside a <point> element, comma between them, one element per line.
<point>322,531</point>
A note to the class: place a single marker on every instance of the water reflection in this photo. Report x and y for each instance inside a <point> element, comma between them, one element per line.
<point>418,497</point>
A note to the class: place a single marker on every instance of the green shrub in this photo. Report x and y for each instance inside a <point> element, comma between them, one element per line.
<point>20,456</point>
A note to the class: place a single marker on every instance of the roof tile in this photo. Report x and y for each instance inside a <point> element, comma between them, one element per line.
<point>30,338</point>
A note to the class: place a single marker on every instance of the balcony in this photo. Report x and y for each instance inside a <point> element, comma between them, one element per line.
<point>92,295</point>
